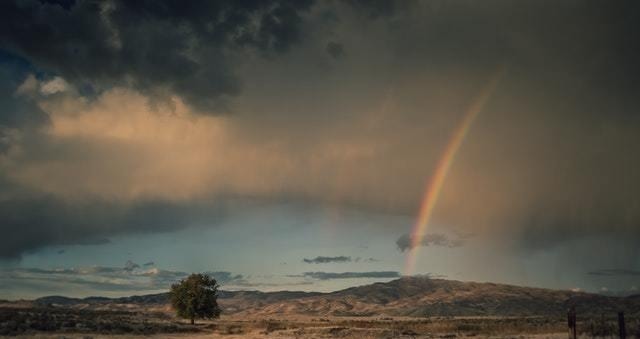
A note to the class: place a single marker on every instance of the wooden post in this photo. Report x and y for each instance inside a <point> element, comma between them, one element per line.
<point>571,321</point>
<point>622,329</point>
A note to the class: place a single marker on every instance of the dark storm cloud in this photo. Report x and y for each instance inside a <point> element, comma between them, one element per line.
<point>151,45</point>
<point>405,241</point>
<point>336,50</point>
<point>378,8</point>
<point>29,223</point>
<point>16,112</point>
<point>350,275</point>
<point>326,260</point>
<point>615,272</point>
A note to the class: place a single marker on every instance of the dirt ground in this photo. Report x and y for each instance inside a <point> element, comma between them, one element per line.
<point>338,327</point>
<point>320,333</point>
<point>59,323</point>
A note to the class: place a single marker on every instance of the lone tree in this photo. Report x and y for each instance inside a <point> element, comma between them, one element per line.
<point>196,297</point>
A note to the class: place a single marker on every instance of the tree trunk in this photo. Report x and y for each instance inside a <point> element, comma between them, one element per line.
<point>192,321</point>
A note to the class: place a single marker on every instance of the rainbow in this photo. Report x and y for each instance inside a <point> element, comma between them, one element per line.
<point>434,186</point>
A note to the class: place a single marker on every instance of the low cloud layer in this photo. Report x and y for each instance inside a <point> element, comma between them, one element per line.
<point>405,242</point>
<point>32,222</point>
<point>133,278</point>
<point>129,279</point>
<point>350,275</point>
<point>327,260</point>
<point>615,272</point>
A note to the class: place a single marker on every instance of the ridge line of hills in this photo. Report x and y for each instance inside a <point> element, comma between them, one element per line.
<point>407,296</point>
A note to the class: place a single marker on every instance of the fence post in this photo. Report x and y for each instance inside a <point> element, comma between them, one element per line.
<point>621,327</point>
<point>571,320</point>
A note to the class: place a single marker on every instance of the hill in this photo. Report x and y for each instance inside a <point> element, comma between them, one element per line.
<point>408,296</point>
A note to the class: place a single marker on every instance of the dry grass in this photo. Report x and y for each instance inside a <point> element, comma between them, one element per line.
<point>54,322</point>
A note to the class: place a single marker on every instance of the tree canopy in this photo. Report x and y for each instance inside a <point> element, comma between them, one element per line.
<point>196,297</point>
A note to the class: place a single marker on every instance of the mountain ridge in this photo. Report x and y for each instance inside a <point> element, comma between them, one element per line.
<point>407,296</point>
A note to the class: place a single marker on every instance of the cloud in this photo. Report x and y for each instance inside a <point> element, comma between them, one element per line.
<point>350,275</point>
<point>366,260</point>
<point>175,48</point>
<point>379,8</point>
<point>53,86</point>
<point>550,163</point>
<point>615,272</point>
<point>128,279</point>
<point>224,277</point>
<point>406,242</point>
<point>336,50</point>
<point>326,260</point>
<point>31,222</point>
<point>130,266</point>
<point>18,112</point>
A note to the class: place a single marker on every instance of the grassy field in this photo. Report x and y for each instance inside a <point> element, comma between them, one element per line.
<point>56,322</point>
<point>403,308</point>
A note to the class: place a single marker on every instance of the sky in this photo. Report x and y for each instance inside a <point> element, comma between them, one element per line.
<point>318,145</point>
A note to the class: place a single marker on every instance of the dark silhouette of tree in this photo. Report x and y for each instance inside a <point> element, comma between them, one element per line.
<point>196,297</point>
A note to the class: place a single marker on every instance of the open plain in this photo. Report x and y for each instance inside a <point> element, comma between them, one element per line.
<point>403,308</point>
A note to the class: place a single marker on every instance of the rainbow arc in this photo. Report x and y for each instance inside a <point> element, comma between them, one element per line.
<point>437,180</point>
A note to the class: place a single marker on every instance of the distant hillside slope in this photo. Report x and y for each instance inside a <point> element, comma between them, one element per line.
<point>408,296</point>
